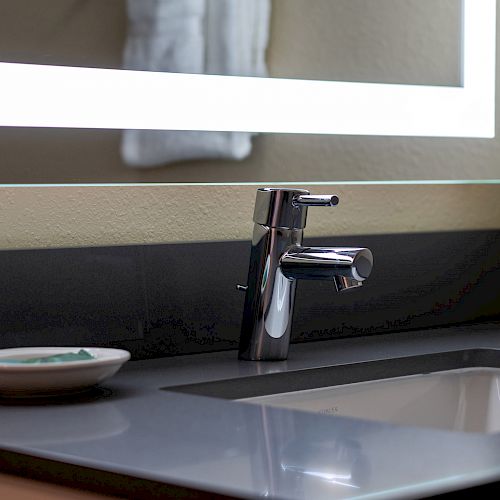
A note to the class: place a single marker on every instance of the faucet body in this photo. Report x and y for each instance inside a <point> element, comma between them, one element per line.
<point>278,260</point>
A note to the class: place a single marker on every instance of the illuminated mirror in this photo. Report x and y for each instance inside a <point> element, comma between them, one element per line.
<point>59,96</point>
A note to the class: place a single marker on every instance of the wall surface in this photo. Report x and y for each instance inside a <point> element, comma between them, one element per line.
<point>179,297</point>
<point>75,216</point>
<point>172,299</point>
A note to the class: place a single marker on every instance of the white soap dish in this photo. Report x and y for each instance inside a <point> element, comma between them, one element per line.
<point>59,377</point>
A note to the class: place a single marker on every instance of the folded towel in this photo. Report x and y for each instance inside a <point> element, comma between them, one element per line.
<point>220,37</point>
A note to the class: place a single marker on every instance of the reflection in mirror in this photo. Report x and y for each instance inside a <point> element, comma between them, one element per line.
<point>387,41</point>
<point>221,37</point>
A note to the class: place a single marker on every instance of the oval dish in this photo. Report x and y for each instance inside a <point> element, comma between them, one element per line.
<point>59,377</point>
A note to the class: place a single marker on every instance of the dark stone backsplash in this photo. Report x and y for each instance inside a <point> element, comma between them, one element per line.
<point>163,300</point>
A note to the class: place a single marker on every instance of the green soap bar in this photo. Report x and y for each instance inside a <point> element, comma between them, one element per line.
<point>81,355</point>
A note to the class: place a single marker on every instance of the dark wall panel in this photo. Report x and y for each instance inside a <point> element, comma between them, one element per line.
<point>176,299</point>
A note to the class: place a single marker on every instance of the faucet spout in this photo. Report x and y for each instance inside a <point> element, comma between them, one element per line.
<point>314,263</point>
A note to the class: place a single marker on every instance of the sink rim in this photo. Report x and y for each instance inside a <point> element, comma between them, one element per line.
<point>340,374</point>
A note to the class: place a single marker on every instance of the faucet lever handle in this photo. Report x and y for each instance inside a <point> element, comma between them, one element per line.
<point>316,200</point>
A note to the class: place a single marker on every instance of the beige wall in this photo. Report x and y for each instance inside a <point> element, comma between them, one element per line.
<point>40,217</point>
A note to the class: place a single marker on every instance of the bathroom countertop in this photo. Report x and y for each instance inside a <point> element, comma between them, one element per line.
<point>131,428</point>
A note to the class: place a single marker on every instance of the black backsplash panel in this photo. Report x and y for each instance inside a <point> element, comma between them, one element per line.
<point>163,300</point>
<point>81,296</point>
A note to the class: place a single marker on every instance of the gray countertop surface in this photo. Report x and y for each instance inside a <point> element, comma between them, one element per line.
<point>133,428</point>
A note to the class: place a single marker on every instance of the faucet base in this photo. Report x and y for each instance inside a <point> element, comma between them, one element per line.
<point>269,298</point>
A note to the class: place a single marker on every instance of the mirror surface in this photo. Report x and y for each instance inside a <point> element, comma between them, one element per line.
<point>386,41</point>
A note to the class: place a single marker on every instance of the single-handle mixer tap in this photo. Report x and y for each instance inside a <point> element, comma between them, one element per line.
<point>278,260</point>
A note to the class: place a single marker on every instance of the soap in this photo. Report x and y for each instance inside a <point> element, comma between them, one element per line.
<point>81,355</point>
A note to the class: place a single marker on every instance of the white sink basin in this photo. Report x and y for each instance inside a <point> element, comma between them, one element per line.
<point>453,390</point>
<point>466,400</point>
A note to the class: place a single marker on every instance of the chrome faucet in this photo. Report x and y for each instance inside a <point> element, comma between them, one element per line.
<point>278,260</point>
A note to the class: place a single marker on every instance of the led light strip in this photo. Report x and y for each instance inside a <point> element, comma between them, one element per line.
<point>55,96</point>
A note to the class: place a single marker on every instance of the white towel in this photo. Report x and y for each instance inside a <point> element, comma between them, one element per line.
<point>220,37</point>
